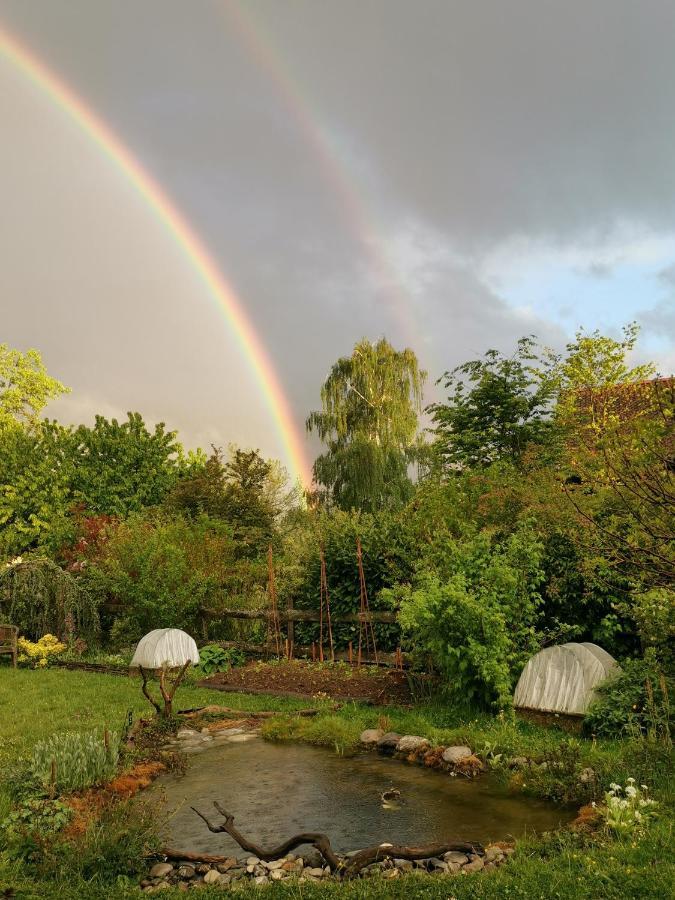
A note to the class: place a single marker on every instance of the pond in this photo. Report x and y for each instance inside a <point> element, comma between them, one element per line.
<point>276,790</point>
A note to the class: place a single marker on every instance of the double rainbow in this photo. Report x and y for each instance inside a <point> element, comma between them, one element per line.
<point>182,234</point>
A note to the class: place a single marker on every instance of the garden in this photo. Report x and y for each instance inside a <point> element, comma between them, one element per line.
<point>212,679</point>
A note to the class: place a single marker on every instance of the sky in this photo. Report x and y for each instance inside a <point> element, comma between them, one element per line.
<point>451,175</point>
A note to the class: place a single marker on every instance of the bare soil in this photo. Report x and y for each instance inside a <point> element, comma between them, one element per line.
<point>304,679</point>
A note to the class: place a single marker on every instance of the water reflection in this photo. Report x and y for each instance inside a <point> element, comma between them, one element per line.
<point>275,790</point>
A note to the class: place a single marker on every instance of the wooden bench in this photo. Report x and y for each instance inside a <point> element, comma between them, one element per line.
<point>8,641</point>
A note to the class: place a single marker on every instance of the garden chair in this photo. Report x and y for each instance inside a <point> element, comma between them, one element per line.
<point>8,642</point>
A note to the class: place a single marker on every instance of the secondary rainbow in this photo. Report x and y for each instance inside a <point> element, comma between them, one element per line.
<point>350,196</point>
<point>182,233</point>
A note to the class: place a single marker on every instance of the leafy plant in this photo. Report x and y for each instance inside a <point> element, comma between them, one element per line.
<point>31,822</point>
<point>628,809</point>
<point>213,658</point>
<point>42,598</point>
<point>37,655</point>
<point>71,761</point>
<point>633,703</point>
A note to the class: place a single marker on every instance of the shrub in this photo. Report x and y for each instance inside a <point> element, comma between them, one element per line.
<point>38,655</point>
<point>72,761</point>
<point>634,702</point>
<point>473,611</point>
<point>217,659</point>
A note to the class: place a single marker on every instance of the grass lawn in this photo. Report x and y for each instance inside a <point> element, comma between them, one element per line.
<point>34,704</point>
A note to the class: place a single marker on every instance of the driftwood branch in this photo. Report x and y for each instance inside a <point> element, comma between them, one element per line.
<point>146,692</point>
<point>344,867</point>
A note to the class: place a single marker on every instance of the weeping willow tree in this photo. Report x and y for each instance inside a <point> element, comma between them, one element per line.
<point>41,598</point>
<point>371,402</point>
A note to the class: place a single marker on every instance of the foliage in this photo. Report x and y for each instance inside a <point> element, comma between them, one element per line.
<point>213,658</point>
<point>245,490</point>
<point>628,809</point>
<point>158,572</point>
<point>473,609</point>
<point>368,421</point>
<point>122,467</point>
<point>25,387</point>
<point>633,703</point>
<point>386,561</point>
<point>39,597</point>
<point>497,406</point>
<point>32,823</point>
<point>71,761</point>
<point>38,654</point>
<point>35,487</point>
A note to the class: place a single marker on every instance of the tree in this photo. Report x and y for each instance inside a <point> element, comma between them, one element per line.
<point>497,407</point>
<point>369,422</point>
<point>245,490</point>
<point>25,386</point>
<point>123,467</point>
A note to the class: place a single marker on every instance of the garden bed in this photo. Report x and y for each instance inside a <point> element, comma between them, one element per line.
<point>301,679</point>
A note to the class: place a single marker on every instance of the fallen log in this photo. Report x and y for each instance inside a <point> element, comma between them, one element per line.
<point>343,867</point>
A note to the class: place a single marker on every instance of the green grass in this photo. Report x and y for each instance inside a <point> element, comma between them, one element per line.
<point>34,704</point>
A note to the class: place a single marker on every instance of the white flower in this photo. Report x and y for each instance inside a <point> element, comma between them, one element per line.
<point>631,791</point>
<point>644,787</point>
<point>630,780</point>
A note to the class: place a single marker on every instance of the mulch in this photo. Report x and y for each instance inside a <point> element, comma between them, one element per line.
<point>308,680</point>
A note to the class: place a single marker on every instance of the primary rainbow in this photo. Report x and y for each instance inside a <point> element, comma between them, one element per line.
<point>181,232</point>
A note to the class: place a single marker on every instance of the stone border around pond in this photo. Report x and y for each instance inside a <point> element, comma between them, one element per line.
<point>457,760</point>
<point>308,868</point>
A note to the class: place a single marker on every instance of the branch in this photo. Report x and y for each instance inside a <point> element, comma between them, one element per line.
<point>345,868</point>
<point>146,692</point>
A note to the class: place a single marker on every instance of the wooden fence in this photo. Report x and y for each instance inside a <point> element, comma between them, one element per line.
<point>287,618</point>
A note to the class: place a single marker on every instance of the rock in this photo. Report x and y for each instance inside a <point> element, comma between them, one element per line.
<point>391,873</point>
<point>187,734</point>
<point>492,854</point>
<point>277,874</point>
<point>315,873</point>
<point>274,864</point>
<point>474,866</point>
<point>404,864</point>
<point>519,762</point>
<point>227,865</point>
<point>202,868</point>
<point>312,859</point>
<point>252,860</point>
<point>212,877</point>
<point>261,879</point>
<point>186,872</point>
<point>455,857</point>
<point>160,870</point>
<point>453,868</point>
<point>411,743</point>
<point>371,736</point>
<point>388,742</point>
<point>454,754</point>
<point>587,776</point>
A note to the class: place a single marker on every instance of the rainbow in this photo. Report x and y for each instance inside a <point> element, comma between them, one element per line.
<point>358,215</point>
<point>182,234</point>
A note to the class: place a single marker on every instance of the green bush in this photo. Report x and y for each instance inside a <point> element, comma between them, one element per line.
<point>633,703</point>
<point>473,612</point>
<point>71,761</point>
<point>217,659</point>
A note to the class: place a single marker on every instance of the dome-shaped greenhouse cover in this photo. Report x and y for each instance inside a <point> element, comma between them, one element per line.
<point>562,679</point>
<point>168,647</point>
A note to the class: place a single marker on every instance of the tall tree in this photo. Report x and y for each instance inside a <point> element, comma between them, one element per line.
<point>370,401</point>
<point>497,406</point>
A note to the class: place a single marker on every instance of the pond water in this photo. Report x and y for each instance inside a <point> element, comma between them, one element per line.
<point>276,790</point>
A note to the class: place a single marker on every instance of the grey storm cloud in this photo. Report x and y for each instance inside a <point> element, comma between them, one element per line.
<point>350,165</point>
